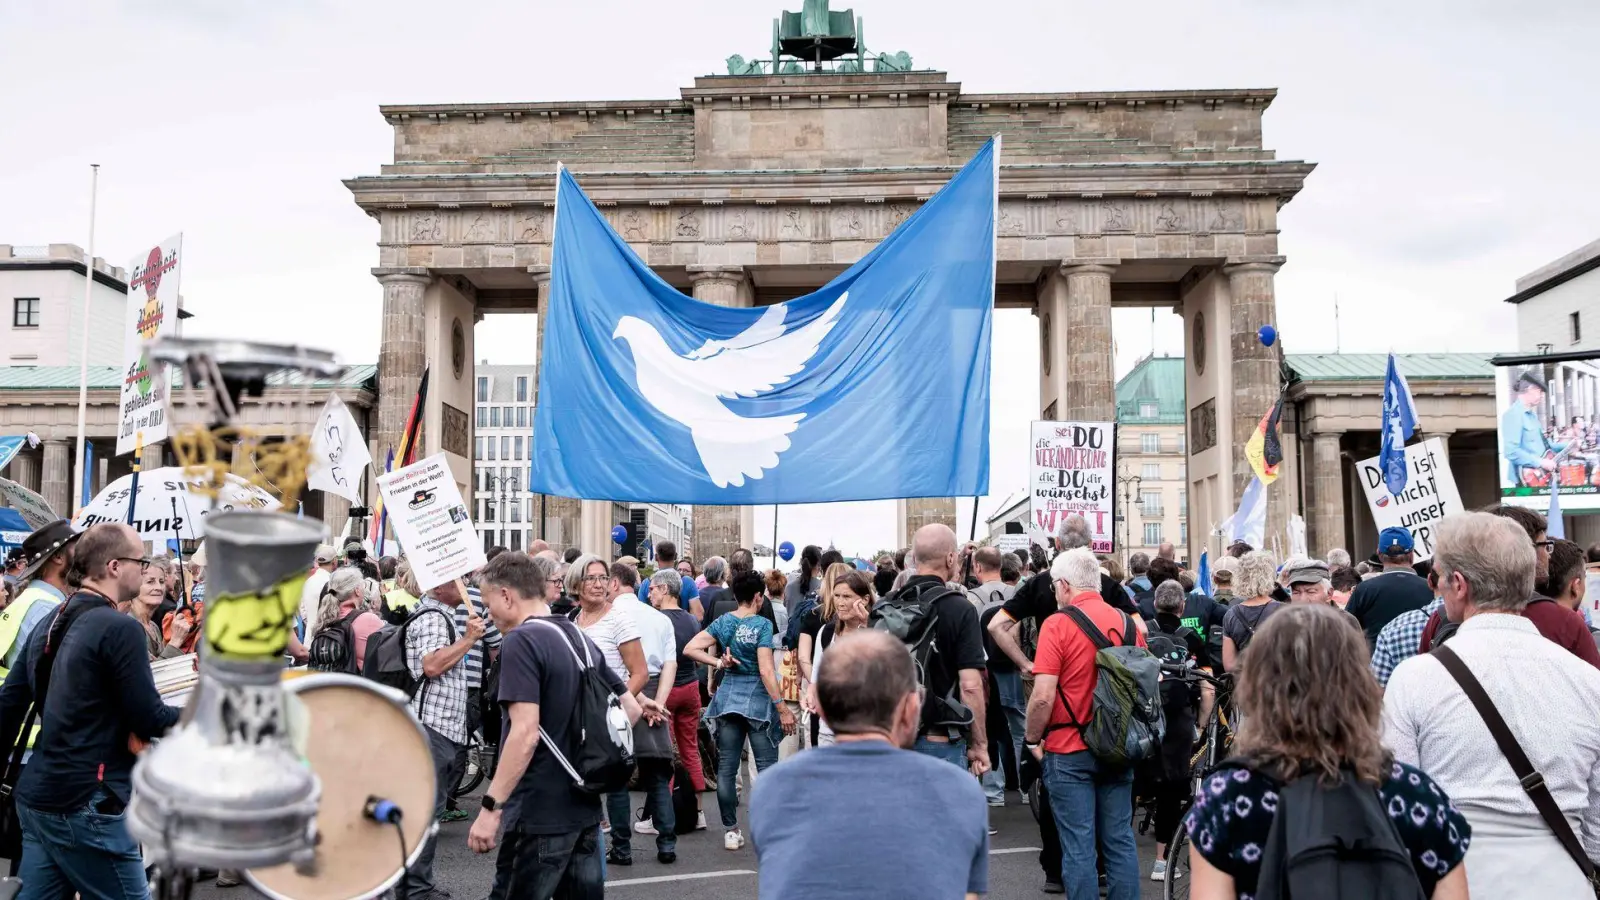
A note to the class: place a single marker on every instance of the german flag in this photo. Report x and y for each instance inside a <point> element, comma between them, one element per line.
<point>1265,447</point>
<point>403,456</point>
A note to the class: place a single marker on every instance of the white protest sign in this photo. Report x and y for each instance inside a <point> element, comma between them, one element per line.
<point>425,507</point>
<point>338,452</point>
<point>152,312</point>
<point>34,509</point>
<point>1071,474</point>
<point>1011,543</point>
<point>1430,494</point>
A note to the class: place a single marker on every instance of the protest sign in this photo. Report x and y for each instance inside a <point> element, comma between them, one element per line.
<point>152,312</point>
<point>1430,494</point>
<point>1071,474</point>
<point>425,507</point>
<point>35,511</point>
<point>1011,543</point>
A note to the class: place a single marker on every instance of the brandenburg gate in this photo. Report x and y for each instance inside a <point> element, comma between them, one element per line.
<point>761,185</point>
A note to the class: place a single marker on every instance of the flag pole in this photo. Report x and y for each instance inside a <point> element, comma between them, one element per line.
<point>138,463</point>
<point>83,351</point>
<point>774,535</point>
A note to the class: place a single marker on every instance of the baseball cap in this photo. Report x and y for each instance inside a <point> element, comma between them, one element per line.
<point>1306,572</point>
<point>325,553</point>
<point>1395,541</point>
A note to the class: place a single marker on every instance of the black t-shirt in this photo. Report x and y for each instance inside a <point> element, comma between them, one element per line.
<point>1378,600</point>
<point>537,665</point>
<point>684,628</point>
<point>957,641</point>
<point>998,660</point>
<point>1036,598</point>
<point>811,622</point>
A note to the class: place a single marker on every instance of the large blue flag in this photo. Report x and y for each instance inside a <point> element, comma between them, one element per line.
<point>1399,424</point>
<point>875,386</point>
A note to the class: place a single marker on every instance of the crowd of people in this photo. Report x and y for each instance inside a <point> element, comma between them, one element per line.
<point>1455,703</point>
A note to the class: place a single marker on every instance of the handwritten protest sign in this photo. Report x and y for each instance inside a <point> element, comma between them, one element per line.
<point>1072,473</point>
<point>1430,494</point>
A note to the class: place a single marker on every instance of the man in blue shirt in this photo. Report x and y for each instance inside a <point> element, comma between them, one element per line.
<point>865,790</point>
<point>1522,439</point>
<point>666,558</point>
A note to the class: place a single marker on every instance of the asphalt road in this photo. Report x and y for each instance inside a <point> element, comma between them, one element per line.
<point>705,871</point>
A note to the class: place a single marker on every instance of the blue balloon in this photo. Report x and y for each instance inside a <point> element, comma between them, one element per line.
<point>786,550</point>
<point>1268,335</point>
<point>619,534</point>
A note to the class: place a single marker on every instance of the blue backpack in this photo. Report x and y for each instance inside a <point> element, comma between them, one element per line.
<point>791,633</point>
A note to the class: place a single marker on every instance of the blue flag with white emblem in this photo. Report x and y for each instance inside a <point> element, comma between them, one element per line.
<point>875,386</point>
<point>1399,424</point>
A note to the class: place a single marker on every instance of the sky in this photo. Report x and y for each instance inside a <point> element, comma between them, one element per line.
<point>1454,144</point>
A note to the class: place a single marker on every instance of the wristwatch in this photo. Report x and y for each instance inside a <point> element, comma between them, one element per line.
<point>490,804</point>
<point>1030,747</point>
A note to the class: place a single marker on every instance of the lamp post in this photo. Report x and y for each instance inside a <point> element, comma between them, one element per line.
<point>1129,486</point>
<point>501,488</point>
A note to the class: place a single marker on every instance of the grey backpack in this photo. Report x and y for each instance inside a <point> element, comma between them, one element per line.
<point>1125,723</point>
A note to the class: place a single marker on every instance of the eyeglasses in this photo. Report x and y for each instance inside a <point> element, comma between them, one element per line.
<point>143,562</point>
<point>596,579</point>
<point>1546,545</point>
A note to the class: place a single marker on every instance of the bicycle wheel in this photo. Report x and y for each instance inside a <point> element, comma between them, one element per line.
<point>472,774</point>
<point>1176,886</point>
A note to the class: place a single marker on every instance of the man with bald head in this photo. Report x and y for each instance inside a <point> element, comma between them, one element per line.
<point>101,694</point>
<point>953,715</point>
<point>863,790</point>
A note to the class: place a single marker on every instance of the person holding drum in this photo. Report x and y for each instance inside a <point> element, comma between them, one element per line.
<point>547,831</point>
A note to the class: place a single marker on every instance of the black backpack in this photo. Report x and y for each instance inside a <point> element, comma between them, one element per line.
<point>791,635</point>
<point>911,614</point>
<point>1334,842</point>
<point>385,662</point>
<point>333,648</point>
<point>601,761</point>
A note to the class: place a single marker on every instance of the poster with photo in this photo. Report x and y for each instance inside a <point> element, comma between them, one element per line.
<point>1072,473</point>
<point>424,506</point>
<point>1549,433</point>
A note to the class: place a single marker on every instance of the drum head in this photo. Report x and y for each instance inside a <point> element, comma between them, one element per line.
<point>362,742</point>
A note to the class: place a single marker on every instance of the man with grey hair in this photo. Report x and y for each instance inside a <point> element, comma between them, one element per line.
<point>1549,701</point>
<point>1089,801</point>
<point>1337,557</point>
<point>863,790</point>
<point>953,717</point>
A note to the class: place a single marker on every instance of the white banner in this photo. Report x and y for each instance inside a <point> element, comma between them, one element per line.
<point>338,452</point>
<point>425,507</point>
<point>33,507</point>
<point>1072,473</point>
<point>152,312</point>
<point>1430,494</point>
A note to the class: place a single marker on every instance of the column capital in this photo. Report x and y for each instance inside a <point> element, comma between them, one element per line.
<point>541,274</point>
<point>402,275</point>
<point>1100,265</point>
<point>728,274</point>
<point>1238,264</point>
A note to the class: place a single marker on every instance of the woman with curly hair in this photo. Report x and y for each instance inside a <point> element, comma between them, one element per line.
<point>1311,710</point>
<point>1254,580</point>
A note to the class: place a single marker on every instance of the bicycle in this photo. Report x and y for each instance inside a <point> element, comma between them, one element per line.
<point>481,760</point>
<point>1216,739</point>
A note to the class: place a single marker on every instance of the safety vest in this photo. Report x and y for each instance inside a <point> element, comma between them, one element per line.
<point>11,621</point>
<point>400,599</point>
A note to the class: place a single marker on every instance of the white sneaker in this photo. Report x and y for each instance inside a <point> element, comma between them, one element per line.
<point>700,821</point>
<point>733,840</point>
<point>645,825</point>
<point>1158,870</point>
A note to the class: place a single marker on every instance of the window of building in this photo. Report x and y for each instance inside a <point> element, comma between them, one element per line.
<point>483,389</point>
<point>507,416</point>
<point>483,417</point>
<point>1148,410</point>
<point>477,448</point>
<point>488,541</point>
<point>1150,472</point>
<point>522,389</point>
<point>516,452</point>
<point>1183,503</point>
<point>491,448</point>
<point>1181,441</point>
<point>516,540</point>
<point>1152,534</point>
<point>505,447</point>
<point>1573,325</point>
<point>489,512</point>
<point>1149,503</point>
<point>25,312</point>
<point>516,511</point>
<point>494,417</point>
<point>1183,531</point>
<point>1150,443</point>
<point>522,417</point>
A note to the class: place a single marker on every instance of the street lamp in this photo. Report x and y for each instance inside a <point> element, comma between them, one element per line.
<point>1129,486</point>
<point>501,488</point>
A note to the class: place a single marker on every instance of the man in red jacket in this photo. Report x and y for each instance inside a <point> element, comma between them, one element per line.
<point>1556,622</point>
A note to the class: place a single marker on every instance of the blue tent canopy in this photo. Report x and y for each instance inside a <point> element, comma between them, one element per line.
<point>13,528</point>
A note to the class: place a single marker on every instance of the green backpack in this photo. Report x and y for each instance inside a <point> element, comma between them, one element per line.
<point>1125,723</point>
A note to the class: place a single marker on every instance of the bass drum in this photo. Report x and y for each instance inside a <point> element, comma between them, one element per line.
<point>362,742</point>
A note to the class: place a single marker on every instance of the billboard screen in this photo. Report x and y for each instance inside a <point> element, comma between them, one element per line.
<point>1549,433</point>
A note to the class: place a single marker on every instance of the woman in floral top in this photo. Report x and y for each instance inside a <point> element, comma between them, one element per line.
<point>1311,707</point>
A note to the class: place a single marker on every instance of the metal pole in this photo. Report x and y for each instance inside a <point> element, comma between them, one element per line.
<point>774,535</point>
<point>83,360</point>
<point>972,534</point>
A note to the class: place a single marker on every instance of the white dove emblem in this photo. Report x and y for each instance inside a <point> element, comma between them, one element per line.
<point>689,389</point>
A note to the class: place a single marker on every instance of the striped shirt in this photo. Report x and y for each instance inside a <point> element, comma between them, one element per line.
<point>489,641</point>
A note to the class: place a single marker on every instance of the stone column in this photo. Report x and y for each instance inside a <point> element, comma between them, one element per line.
<point>25,469</point>
<point>1327,495</point>
<point>1085,342</point>
<point>595,529</point>
<point>335,515</point>
<point>1255,370</point>
<point>56,483</point>
<point>154,456</point>
<point>917,512</point>
<point>717,528</point>
<point>401,357</point>
<point>560,525</point>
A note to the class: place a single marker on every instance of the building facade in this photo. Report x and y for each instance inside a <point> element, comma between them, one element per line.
<point>1558,305</point>
<point>1152,456</point>
<point>761,185</point>
<point>41,288</point>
